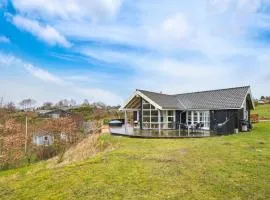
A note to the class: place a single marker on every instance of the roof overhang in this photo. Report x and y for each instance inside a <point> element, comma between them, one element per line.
<point>251,99</point>
<point>139,94</point>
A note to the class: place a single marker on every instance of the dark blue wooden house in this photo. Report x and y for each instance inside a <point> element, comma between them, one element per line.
<point>223,111</point>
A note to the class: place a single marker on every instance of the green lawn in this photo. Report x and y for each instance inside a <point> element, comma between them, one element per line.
<point>262,111</point>
<point>229,167</point>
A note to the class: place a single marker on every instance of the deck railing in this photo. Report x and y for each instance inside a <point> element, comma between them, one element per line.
<point>179,130</point>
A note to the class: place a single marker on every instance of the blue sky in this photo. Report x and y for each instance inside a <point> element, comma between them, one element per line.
<point>102,50</point>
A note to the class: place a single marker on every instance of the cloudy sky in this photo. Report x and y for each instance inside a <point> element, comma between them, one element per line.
<point>104,49</point>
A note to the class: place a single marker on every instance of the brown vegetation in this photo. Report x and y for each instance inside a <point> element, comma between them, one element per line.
<point>65,132</point>
<point>254,118</point>
<point>16,149</point>
<point>11,144</point>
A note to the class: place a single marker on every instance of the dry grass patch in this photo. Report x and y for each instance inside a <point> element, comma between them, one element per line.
<point>82,151</point>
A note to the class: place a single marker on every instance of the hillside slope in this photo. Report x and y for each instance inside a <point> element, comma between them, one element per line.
<point>229,167</point>
<point>262,110</point>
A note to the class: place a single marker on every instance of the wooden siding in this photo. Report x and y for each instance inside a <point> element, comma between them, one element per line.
<point>140,114</point>
<point>177,118</point>
<point>220,116</point>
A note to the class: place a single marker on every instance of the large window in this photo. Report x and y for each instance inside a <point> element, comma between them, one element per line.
<point>149,116</point>
<point>203,117</point>
<point>170,119</point>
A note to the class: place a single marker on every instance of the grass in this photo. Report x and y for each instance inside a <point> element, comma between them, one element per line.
<point>229,167</point>
<point>262,110</point>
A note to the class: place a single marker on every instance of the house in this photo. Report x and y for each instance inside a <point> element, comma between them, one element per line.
<point>261,101</point>
<point>223,111</point>
<point>43,138</point>
<point>54,114</point>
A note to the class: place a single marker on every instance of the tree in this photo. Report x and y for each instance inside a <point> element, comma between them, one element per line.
<point>31,102</point>
<point>99,104</point>
<point>27,103</point>
<point>262,97</point>
<point>72,102</point>
<point>47,105</point>
<point>10,106</point>
<point>85,103</point>
<point>1,102</point>
<point>62,103</point>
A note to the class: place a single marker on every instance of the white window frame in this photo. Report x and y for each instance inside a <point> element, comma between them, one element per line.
<point>170,116</point>
<point>150,109</point>
<point>205,118</point>
<point>155,124</point>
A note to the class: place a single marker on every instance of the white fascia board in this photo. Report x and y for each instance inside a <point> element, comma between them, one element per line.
<point>203,109</point>
<point>248,93</point>
<point>144,97</point>
<point>149,100</point>
<point>128,100</point>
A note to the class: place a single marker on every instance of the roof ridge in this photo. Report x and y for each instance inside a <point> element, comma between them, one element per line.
<point>247,86</point>
<point>213,90</point>
<point>154,92</point>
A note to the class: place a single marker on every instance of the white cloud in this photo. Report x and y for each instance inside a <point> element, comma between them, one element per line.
<point>188,25</point>
<point>173,75</point>
<point>189,45</point>
<point>95,95</point>
<point>173,31</point>
<point>70,9</point>
<point>4,39</point>
<point>10,61</point>
<point>78,78</point>
<point>241,5</point>
<point>43,74</point>
<point>7,60</point>
<point>165,66</point>
<point>44,32</point>
<point>27,80</point>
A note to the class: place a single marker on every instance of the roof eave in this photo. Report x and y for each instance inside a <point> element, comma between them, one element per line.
<point>137,92</point>
<point>251,99</point>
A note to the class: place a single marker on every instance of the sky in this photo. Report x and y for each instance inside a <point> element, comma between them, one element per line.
<point>102,50</point>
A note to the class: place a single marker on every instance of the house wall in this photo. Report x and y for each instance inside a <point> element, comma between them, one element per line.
<point>220,116</point>
<point>177,117</point>
<point>140,114</point>
<point>43,140</point>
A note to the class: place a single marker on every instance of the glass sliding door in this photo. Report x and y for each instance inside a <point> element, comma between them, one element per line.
<point>170,119</point>
<point>202,117</point>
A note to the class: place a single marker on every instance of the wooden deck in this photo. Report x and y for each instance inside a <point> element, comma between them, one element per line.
<point>137,133</point>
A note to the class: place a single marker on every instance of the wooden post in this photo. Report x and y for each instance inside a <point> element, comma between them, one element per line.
<point>180,123</point>
<point>159,125</point>
<point>26,134</point>
<point>125,121</point>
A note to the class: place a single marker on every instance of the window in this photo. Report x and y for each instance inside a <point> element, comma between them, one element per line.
<point>203,117</point>
<point>146,113</point>
<point>189,118</point>
<point>149,116</point>
<point>195,117</point>
<point>170,119</point>
<point>154,113</point>
<point>170,113</point>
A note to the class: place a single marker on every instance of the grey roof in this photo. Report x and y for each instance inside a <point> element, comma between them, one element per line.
<point>164,100</point>
<point>229,98</point>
